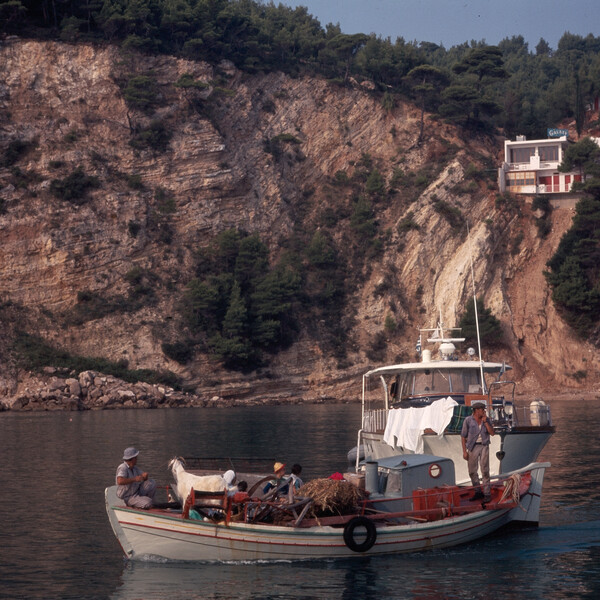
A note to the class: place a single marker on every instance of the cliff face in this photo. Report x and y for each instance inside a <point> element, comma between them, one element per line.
<point>66,104</point>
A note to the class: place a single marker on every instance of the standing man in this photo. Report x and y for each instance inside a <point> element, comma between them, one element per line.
<point>475,437</point>
<point>134,486</point>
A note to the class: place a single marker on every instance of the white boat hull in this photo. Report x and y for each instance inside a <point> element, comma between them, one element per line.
<point>158,534</point>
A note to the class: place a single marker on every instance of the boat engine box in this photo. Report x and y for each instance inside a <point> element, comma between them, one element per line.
<point>407,472</point>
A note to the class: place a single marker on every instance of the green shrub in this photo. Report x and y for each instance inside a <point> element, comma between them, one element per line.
<point>515,246</point>
<point>23,179</point>
<point>34,354</point>
<point>134,181</point>
<point>92,305</point>
<point>507,202</point>
<point>134,228</point>
<point>363,220</point>
<point>541,203</point>
<point>377,347</point>
<point>451,213</point>
<point>543,223</point>
<point>72,136</point>
<point>187,81</point>
<point>74,187</point>
<point>156,137</point>
<point>390,325</point>
<point>286,137</point>
<point>141,92</point>
<point>544,226</point>
<point>473,172</point>
<point>330,217</point>
<point>14,151</point>
<point>268,106</point>
<point>320,251</point>
<point>490,330</point>
<point>166,202</point>
<point>388,102</point>
<point>422,180</point>
<point>408,224</point>
<point>180,352</point>
<point>341,177</point>
<point>382,288</point>
<point>375,184</point>
<point>396,178</point>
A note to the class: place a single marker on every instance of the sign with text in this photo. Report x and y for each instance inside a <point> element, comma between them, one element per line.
<point>556,133</point>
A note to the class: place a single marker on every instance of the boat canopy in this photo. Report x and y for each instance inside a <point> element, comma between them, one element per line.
<point>488,367</point>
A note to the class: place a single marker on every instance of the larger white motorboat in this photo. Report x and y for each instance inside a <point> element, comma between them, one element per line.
<point>419,407</point>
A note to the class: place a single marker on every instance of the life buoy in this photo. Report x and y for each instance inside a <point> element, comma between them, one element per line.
<point>435,470</point>
<point>349,528</point>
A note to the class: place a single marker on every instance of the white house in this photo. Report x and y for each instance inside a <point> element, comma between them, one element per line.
<point>531,167</point>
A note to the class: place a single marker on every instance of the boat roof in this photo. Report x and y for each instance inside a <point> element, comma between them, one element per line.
<point>488,367</point>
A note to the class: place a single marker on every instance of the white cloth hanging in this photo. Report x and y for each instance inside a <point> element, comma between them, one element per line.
<point>405,426</point>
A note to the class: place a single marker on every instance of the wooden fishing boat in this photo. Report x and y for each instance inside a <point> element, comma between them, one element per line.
<point>402,513</point>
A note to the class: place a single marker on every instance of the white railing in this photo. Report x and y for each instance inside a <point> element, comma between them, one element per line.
<point>531,416</point>
<point>374,420</point>
<point>534,415</point>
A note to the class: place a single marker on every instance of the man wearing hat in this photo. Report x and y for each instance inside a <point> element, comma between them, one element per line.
<point>280,478</point>
<point>134,486</point>
<point>475,436</point>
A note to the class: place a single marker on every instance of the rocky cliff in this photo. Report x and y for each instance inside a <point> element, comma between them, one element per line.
<point>65,106</point>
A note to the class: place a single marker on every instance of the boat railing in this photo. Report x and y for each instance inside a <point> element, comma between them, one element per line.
<point>374,420</point>
<point>502,414</point>
<point>536,414</point>
<point>496,391</point>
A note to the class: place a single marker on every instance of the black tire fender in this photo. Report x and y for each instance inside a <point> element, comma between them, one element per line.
<point>349,529</point>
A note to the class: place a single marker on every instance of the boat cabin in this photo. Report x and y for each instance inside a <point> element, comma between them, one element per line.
<point>402,474</point>
<point>435,381</point>
<point>406,482</point>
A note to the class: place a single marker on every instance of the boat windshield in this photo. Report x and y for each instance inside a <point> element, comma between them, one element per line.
<point>437,381</point>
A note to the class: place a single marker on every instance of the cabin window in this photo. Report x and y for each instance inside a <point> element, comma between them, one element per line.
<point>437,381</point>
<point>441,381</point>
<point>404,386</point>
<point>432,381</point>
<point>471,381</point>
<point>423,382</point>
<point>394,483</point>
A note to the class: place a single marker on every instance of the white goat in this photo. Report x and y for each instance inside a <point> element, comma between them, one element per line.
<point>201,483</point>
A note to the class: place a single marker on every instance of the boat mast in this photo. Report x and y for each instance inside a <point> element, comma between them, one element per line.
<point>483,386</point>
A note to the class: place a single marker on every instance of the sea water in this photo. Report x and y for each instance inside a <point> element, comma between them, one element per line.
<point>55,540</point>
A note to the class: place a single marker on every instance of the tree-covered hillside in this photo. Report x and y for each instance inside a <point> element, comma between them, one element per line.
<point>513,87</point>
<point>574,270</point>
<point>241,304</point>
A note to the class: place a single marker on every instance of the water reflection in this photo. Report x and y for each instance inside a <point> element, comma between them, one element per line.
<point>561,562</point>
<point>55,541</point>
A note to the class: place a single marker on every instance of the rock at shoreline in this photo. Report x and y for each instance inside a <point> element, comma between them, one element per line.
<point>90,391</point>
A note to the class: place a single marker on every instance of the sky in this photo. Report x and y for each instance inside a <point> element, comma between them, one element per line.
<point>453,22</point>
